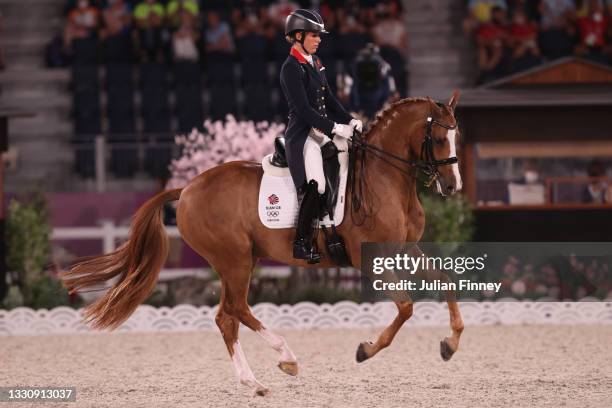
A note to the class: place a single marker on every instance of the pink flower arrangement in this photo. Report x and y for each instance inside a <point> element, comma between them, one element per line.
<point>221,142</point>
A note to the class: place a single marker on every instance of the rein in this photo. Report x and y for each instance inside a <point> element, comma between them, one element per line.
<point>427,162</point>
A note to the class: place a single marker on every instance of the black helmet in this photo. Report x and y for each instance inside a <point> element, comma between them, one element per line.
<point>304,20</point>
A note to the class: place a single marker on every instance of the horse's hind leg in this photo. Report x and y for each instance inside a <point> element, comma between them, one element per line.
<point>238,292</point>
<point>229,325</point>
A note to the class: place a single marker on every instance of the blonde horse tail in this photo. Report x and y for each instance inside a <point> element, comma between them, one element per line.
<point>136,263</point>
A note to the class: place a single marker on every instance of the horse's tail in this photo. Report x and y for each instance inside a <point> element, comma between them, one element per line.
<point>136,263</point>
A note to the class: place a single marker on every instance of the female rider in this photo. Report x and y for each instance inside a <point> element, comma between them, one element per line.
<point>315,116</point>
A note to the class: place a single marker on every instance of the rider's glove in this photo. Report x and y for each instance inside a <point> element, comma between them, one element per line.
<point>356,124</point>
<point>345,131</point>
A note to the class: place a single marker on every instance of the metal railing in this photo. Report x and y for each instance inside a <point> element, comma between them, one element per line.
<point>97,157</point>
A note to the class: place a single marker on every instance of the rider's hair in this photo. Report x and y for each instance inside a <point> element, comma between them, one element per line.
<point>291,37</point>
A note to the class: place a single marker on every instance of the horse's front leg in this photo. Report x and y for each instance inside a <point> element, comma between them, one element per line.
<point>449,345</point>
<point>369,349</point>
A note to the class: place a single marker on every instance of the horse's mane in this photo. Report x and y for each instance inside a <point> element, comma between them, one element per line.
<point>385,113</point>
<point>362,202</point>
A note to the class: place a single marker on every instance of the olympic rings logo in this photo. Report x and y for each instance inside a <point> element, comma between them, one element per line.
<point>273,214</point>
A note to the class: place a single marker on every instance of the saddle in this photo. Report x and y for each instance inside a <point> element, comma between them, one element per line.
<point>331,170</point>
<point>278,200</point>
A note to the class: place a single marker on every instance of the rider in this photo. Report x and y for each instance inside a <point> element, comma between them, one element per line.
<point>309,129</point>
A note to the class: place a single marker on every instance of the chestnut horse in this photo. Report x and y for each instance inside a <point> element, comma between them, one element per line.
<point>217,216</point>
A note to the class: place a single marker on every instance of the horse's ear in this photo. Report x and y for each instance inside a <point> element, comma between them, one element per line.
<point>454,100</point>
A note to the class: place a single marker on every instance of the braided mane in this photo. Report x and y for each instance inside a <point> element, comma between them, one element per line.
<point>384,114</point>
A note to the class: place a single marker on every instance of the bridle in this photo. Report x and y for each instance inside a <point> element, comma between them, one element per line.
<point>427,163</point>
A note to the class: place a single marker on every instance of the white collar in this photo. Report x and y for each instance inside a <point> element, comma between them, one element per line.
<point>307,57</point>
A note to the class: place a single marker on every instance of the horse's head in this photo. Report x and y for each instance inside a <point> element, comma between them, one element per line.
<point>436,145</point>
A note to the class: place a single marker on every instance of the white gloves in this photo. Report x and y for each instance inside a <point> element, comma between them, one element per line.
<point>345,131</point>
<point>356,124</point>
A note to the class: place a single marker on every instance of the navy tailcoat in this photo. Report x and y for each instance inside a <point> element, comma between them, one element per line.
<point>311,105</point>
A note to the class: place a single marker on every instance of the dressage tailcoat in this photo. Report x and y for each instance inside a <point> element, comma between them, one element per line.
<point>311,105</point>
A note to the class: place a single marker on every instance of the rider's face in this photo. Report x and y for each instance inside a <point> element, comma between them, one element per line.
<point>311,43</point>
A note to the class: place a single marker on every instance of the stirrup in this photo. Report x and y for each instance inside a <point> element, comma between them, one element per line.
<point>301,251</point>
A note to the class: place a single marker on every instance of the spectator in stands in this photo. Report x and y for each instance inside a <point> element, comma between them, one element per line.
<point>278,11</point>
<point>149,16</point>
<point>245,24</point>
<point>480,12</point>
<point>352,35</point>
<point>218,34</point>
<point>592,31</point>
<point>556,27</point>
<point>491,39</point>
<point>82,23</point>
<point>185,38</point>
<point>523,42</point>
<point>390,30</point>
<point>598,191</point>
<point>177,11</point>
<point>116,33</point>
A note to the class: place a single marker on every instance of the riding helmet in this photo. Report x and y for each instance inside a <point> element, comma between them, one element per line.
<point>304,20</point>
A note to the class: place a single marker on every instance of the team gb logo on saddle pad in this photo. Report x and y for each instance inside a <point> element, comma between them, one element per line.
<point>273,199</point>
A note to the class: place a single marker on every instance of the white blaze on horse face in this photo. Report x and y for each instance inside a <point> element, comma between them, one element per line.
<point>451,136</point>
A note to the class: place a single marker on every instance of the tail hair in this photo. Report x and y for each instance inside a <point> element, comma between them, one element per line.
<point>136,263</point>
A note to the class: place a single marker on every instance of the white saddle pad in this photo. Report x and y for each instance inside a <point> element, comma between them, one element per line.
<point>278,204</point>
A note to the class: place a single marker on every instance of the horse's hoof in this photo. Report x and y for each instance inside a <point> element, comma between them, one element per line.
<point>362,355</point>
<point>288,367</point>
<point>445,350</point>
<point>261,391</point>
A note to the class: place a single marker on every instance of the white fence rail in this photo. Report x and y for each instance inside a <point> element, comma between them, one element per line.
<point>110,234</point>
<point>306,315</point>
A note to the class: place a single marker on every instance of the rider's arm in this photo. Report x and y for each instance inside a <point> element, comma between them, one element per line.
<point>292,82</point>
<point>336,107</point>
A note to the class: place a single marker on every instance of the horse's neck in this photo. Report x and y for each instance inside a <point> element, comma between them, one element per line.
<point>388,177</point>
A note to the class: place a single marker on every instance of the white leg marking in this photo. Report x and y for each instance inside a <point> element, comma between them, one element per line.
<point>450,135</point>
<point>279,344</point>
<point>243,371</point>
<point>314,163</point>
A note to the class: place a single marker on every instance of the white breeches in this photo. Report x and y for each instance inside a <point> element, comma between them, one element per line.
<point>313,160</point>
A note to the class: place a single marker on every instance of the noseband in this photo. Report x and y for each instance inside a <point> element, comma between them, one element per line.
<point>428,163</point>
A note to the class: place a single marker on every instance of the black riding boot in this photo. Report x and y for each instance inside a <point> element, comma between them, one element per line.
<point>303,246</point>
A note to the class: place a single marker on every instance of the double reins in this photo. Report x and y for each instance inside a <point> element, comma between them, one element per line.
<point>427,162</point>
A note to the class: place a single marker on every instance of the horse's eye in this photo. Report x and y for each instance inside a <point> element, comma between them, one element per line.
<point>439,142</point>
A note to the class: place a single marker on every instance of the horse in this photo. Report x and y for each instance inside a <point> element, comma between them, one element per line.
<point>217,216</point>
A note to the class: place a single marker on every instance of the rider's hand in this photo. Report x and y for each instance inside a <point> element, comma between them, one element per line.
<point>356,124</point>
<point>345,131</point>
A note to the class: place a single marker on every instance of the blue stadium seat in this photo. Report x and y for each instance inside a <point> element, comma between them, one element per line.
<point>119,75</point>
<point>84,77</point>
<point>85,51</point>
<point>187,74</point>
<point>222,101</point>
<point>257,104</point>
<point>253,64</point>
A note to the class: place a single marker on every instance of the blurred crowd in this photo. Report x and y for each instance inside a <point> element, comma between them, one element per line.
<point>514,35</point>
<point>559,278</point>
<point>191,30</point>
